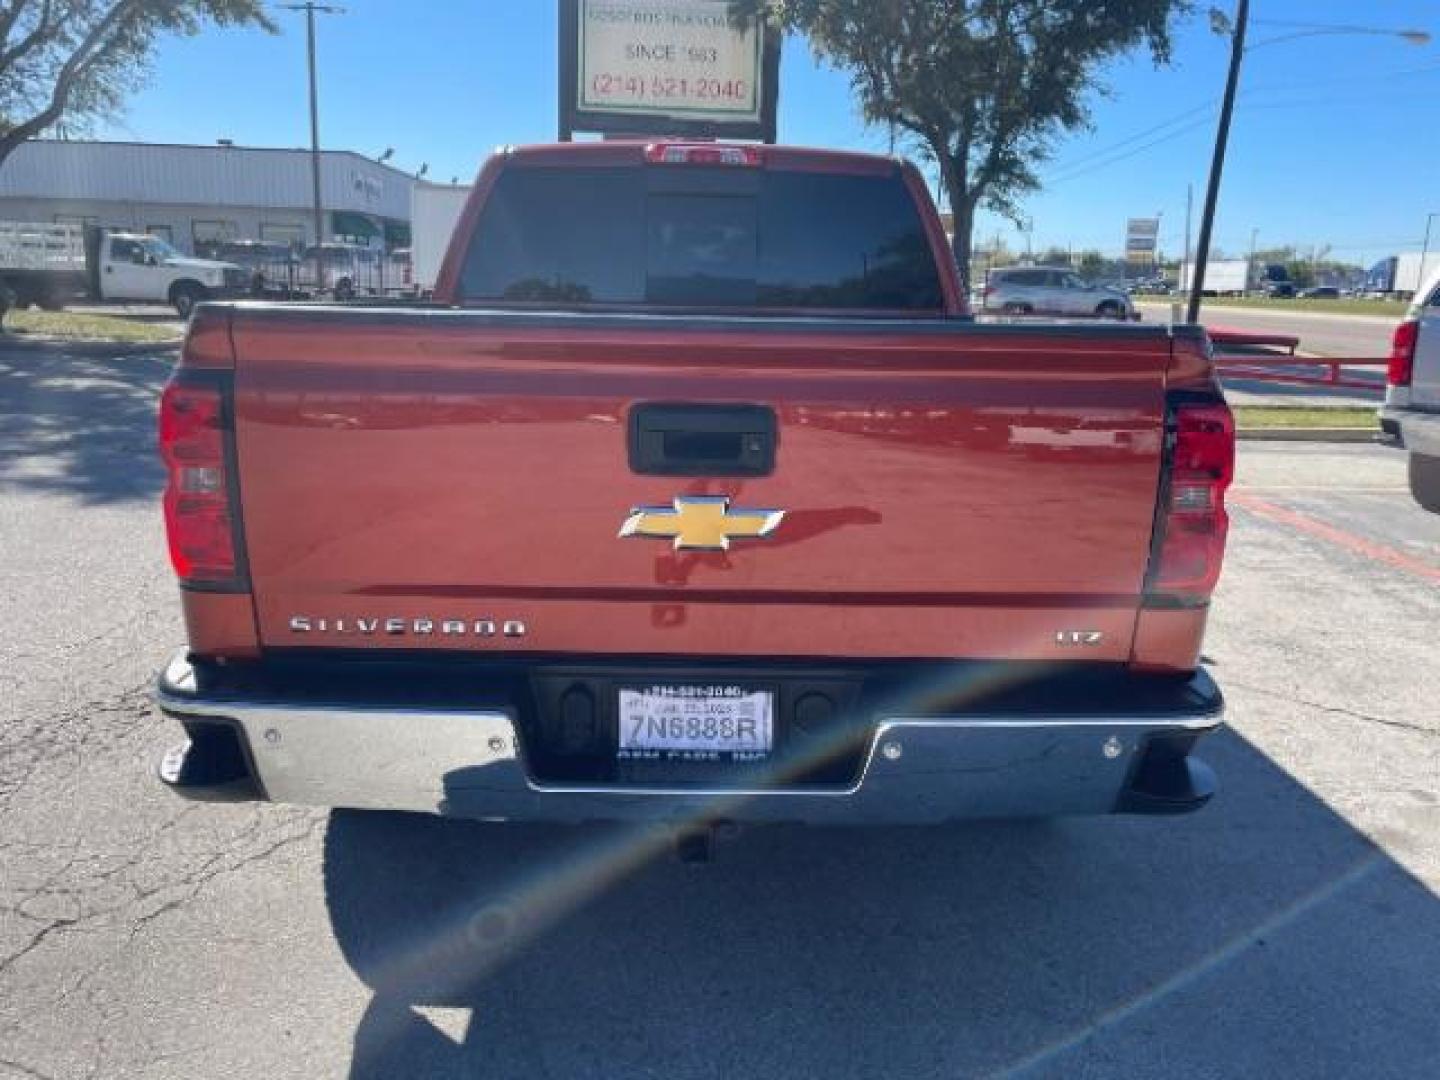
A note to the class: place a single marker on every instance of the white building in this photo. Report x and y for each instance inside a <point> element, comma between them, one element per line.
<point>194,195</point>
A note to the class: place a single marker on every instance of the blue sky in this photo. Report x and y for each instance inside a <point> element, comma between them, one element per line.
<point>1334,139</point>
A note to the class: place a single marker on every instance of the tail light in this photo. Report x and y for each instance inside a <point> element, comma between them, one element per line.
<point>701,154</point>
<point>199,515</point>
<point>1193,522</point>
<point>1402,353</point>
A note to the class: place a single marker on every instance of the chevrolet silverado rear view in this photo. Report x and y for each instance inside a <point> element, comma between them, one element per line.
<point>695,495</point>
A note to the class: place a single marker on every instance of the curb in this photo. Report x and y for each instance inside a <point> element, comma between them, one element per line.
<point>1310,434</point>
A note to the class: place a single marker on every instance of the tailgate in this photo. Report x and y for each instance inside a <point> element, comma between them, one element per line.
<point>462,480</point>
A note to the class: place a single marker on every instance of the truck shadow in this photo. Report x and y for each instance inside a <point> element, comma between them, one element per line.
<point>80,420</point>
<point>1264,936</point>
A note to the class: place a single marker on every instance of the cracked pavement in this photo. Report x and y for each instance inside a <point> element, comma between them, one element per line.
<point>1292,928</point>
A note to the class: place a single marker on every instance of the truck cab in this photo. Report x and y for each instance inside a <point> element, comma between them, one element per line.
<point>140,267</point>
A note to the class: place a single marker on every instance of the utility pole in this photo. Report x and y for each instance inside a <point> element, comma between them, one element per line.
<point>1187,279</point>
<point>310,8</point>
<point>1217,161</point>
<point>1227,110</point>
<point>1250,263</point>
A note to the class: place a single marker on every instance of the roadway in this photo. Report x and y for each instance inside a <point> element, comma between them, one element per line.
<point>1292,928</point>
<point>1320,333</point>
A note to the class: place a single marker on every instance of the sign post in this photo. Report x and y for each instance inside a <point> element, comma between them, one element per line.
<point>666,67</point>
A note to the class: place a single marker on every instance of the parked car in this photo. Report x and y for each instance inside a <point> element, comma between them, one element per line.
<point>1319,292</point>
<point>1044,290</point>
<point>1152,287</point>
<point>346,271</point>
<point>506,557</point>
<point>136,266</point>
<point>1279,290</point>
<point>1411,412</point>
<point>335,268</point>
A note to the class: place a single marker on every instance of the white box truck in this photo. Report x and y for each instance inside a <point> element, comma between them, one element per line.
<point>434,211</point>
<point>1227,277</point>
<point>1409,272</point>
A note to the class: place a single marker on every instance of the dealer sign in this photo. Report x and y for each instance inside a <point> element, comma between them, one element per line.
<point>681,67</point>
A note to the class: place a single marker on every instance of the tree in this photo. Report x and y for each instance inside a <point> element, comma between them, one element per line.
<point>75,60</point>
<point>1092,265</point>
<point>983,86</point>
<point>1312,266</point>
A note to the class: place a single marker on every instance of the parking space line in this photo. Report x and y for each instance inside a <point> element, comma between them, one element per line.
<point>1358,545</point>
<point>1324,487</point>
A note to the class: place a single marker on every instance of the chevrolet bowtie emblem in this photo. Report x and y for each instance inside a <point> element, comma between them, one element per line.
<point>701,522</point>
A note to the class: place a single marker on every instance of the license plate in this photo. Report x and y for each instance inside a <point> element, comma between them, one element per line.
<point>696,723</point>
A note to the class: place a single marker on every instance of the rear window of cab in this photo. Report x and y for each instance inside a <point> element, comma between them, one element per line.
<point>698,238</point>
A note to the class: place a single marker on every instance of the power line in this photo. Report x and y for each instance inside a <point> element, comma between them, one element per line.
<point>1122,143</point>
<point>1347,80</point>
<point>1068,170</point>
<point>1071,169</point>
<point>1065,178</point>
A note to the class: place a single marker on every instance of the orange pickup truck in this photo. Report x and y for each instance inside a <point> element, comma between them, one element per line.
<point>695,496</point>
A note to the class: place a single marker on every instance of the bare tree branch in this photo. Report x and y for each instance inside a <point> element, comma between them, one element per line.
<point>75,59</point>
<point>90,48</point>
<point>42,30</point>
<point>9,15</point>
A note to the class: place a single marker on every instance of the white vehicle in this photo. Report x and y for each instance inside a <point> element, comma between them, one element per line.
<point>47,264</point>
<point>434,211</point>
<point>1047,290</point>
<point>40,263</point>
<point>1228,277</point>
<point>346,271</point>
<point>1409,272</point>
<point>1412,398</point>
<point>136,266</point>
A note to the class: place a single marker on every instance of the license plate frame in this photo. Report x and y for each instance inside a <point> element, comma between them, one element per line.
<point>699,723</point>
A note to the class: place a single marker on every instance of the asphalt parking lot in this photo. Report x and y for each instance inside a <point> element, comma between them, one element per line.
<point>1290,929</point>
<point>1321,333</point>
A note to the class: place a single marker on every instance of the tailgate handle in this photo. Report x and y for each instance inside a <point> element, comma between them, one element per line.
<point>670,439</point>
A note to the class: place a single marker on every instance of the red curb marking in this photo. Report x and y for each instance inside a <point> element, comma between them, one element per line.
<point>1380,553</point>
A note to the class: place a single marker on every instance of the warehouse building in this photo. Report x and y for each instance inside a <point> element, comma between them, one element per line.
<point>195,196</point>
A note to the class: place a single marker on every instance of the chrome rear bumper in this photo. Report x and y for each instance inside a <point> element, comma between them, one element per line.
<point>470,763</point>
<point>1418,431</point>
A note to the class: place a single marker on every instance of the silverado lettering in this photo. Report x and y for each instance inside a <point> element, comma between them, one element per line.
<point>866,546</point>
<point>304,624</point>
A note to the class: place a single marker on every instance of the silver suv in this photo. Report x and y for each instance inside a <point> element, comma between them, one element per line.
<point>1043,290</point>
